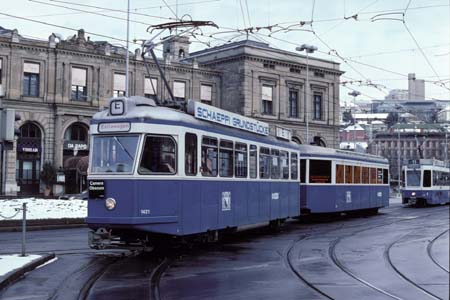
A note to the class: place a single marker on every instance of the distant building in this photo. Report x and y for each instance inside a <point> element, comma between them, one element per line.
<point>408,141</point>
<point>443,116</point>
<point>397,94</point>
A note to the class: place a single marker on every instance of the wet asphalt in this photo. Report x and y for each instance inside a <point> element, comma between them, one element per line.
<point>401,253</point>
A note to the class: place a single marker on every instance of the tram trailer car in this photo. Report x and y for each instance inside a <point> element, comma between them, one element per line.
<point>157,172</point>
<point>427,182</point>
<point>335,181</point>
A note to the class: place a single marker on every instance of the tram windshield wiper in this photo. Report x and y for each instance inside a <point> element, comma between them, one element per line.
<point>123,148</point>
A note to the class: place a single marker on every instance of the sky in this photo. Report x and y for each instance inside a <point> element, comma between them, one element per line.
<point>376,42</point>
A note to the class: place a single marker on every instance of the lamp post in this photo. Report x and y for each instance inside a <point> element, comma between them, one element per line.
<point>127,63</point>
<point>308,49</point>
<point>354,94</point>
<point>398,157</point>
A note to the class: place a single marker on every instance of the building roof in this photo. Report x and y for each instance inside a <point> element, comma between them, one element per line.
<point>355,127</point>
<point>417,126</point>
<point>379,116</point>
<point>263,50</point>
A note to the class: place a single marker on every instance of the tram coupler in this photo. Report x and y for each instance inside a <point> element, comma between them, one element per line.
<point>100,239</point>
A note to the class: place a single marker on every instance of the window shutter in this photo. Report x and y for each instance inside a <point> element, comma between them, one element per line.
<point>206,92</point>
<point>148,89</point>
<point>267,92</point>
<point>79,76</point>
<point>1,61</point>
<point>119,82</point>
<point>31,68</point>
<point>179,89</point>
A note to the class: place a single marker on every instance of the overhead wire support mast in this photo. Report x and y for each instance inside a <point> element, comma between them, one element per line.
<point>148,47</point>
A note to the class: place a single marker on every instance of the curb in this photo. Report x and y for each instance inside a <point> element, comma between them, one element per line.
<point>41,227</point>
<point>16,274</point>
<point>43,224</point>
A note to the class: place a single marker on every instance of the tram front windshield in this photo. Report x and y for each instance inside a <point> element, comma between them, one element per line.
<point>113,154</point>
<point>413,178</point>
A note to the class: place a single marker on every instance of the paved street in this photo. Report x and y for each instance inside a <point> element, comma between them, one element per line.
<point>402,253</point>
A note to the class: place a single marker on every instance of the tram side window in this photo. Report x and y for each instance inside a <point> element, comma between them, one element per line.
<point>294,167</point>
<point>373,175</point>
<point>226,159</point>
<point>284,164</point>
<point>253,161</point>
<point>264,163</point>
<point>302,170</point>
<point>426,178</point>
<point>190,157</point>
<point>365,175</point>
<point>440,178</point>
<point>385,176</point>
<point>159,156</point>
<point>348,174</point>
<point>209,156</point>
<point>240,160</point>
<point>275,164</point>
<point>319,171</point>
<point>379,176</point>
<point>340,173</point>
<point>357,175</point>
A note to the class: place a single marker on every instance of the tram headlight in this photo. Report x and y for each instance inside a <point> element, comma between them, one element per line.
<point>413,194</point>
<point>110,203</point>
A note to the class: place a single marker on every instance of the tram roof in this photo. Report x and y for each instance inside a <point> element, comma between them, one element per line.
<point>144,110</point>
<point>316,151</point>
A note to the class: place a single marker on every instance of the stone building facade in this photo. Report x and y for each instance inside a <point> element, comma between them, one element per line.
<point>57,85</point>
<point>270,84</point>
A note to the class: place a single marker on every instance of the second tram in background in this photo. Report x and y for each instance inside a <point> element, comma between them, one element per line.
<point>427,182</point>
<point>335,181</point>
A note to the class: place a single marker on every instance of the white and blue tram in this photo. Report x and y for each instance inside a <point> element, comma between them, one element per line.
<point>427,182</point>
<point>156,171</point>
<point>333,181</point>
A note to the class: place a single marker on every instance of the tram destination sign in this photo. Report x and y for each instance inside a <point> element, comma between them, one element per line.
<point>226,118</point>
<point>114,127</point>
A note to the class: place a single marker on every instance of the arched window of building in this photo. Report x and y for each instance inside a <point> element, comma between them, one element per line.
<point>296,140</point>
<point>28,164</point>
<point>75,150</point>
<point>318,141</point>
<point>76,132</point>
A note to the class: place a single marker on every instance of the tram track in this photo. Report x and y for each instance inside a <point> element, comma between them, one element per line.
<point>430,250</point>
<point>156,275</point>
<point>341,266</point>
<point>388,258</point>
<point>290,264</point>
<point>85,290</point>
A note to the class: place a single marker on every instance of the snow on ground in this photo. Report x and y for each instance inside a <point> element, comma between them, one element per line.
<point>12,262</point>
<point>44,208</point>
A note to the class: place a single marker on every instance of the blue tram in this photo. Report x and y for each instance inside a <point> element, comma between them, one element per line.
<point>427,181</point>
<point>333,181</point>
<point>155,171</point>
